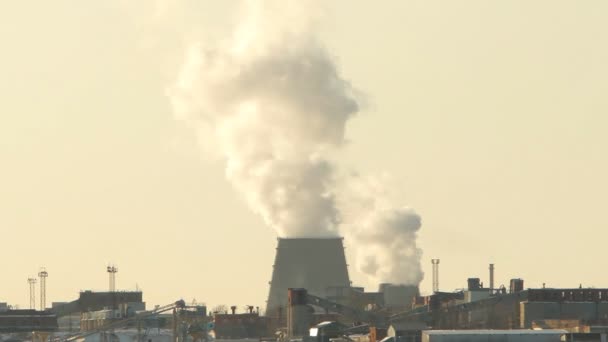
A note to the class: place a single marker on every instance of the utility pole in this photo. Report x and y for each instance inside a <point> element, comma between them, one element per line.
<point>43,274</point>
<point>32,282</point>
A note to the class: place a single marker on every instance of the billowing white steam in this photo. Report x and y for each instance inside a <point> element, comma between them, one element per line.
<point>386,246</point>
<point>273,101</point>
<point>384,236</point>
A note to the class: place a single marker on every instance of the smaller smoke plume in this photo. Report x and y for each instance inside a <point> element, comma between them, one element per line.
<point>384,236</point>
<point>387,249</point>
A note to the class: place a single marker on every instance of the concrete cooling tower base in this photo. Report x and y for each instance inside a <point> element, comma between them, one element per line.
<point>311,263</point>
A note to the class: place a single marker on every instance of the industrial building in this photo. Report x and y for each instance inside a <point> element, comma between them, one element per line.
<point>94,301</point>
<point>91,320</point>
<point>240,325</point>
<point>311,298</point>
<point>493,335</point>
<point>406,315</point>
<point>575,310</point>
<point>16,321</point>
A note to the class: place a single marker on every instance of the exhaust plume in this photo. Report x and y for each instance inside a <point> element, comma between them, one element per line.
<point>274,103</point>
<point>386,246</point>
<point>384,235</point>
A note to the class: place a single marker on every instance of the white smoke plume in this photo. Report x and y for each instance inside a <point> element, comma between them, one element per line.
<point>387,250</point>
<point>384,235</point>
<point>273,101</point>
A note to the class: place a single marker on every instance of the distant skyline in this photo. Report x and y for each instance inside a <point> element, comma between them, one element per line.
<point>490,118</point>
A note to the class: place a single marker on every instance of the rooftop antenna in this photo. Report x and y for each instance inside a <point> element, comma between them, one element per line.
<point>43,274</point>
<point>435,263</point>
<point>32,282</point>
<point>112,273</point>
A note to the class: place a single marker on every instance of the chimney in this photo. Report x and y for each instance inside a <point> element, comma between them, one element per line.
<point>435,263</point>
<point>299,314</point>
<point>491,278</point>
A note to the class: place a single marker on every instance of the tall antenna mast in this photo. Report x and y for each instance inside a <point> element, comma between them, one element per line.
<point>43,274</point>
<point>32,282</point>
<point>112,273</point>
<point>435,263</point>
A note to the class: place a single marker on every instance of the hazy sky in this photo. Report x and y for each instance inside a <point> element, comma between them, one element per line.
<point>491,117</point>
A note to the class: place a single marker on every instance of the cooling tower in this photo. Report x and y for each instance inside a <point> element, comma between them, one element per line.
<point>310,263</point>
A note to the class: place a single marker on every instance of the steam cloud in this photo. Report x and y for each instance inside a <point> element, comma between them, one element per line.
<point>272,100</point>
<point>384,235</point>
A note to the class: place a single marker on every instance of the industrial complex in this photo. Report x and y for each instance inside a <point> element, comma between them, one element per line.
<point>311,298</point>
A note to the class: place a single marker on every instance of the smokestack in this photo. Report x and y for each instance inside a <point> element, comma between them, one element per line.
<point>310,263</point>
<point>491,278</point>
<point>435,275</point>
<point>299,314</point>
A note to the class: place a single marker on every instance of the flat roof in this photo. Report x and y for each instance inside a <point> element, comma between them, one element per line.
<point>496,332</point>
